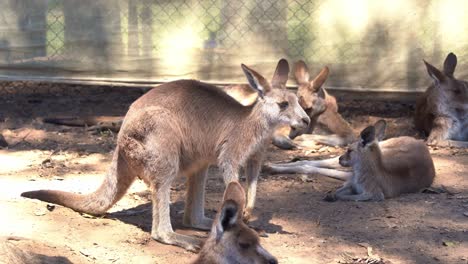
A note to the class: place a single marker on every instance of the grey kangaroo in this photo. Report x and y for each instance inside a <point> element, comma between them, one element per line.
<point>380,170</point>
<point>231,241</point>
<point>181,128</point>
<point>442,111</point>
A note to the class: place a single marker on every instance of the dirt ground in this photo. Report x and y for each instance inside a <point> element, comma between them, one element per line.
<point>296,225</point>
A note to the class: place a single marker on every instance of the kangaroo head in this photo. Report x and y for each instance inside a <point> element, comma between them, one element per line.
<point>280,105</point>
<point>231,240</point>
<point>445,82</point>
<point>310,92</point>
<point>367,144</point>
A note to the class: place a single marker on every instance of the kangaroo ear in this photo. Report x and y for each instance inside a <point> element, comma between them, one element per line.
<point>449,64</point>
<point>436,75</point>
<point>256,81</point>
<point>280,78</point>
<point>227,217</point>
<point>301,72</point>
<point>321,93</point>
<point>318,81</point>
<point>380,127</point>
<point>235,192</point>
<point>367,135</point>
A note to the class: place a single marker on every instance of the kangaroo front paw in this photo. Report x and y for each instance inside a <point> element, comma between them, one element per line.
<point>189,243</point>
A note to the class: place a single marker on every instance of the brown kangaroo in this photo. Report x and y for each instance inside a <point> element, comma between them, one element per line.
<point>322,109</point>
<point>18,250</point>
<point>380,170</point>
<point>442,111</point>
<point>399,165</point>
<point>181,128</point>
<point>231,241</point>
<point>112,123</point>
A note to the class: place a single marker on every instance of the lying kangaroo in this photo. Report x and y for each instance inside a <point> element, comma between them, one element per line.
<point>400,165</point>
<point>379,170</point>
<point>442,111</point>
<point>112,123</point>
<point>19,250</point>
<point>181,128</point>
<point>231,241</point>
<point>322,109</point>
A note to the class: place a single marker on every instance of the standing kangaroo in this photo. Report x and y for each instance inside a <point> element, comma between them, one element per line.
<point>322,109</point>
<point>181,128</point>
<point>231,241</point>
<point>442,111</point>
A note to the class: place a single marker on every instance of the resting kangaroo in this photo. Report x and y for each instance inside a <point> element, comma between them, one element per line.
<point>379,169</point>
<point>322,109</point>
<point>181,128</point>
<point>231,241</point>
<point>442,111</point>
<point>400,165</point>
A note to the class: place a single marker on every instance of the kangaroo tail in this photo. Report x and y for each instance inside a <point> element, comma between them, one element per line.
<point>116,183</point>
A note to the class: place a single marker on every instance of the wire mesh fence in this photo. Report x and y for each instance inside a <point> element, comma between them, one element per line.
<point>367,44</point>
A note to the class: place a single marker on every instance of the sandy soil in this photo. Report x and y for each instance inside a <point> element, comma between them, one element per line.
<point>294,222</point>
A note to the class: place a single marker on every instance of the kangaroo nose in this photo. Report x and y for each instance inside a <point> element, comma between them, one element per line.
<point>273,261</point>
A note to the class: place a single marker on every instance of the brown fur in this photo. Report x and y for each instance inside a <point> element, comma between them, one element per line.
<point>181,128</point>
<point>18,250</point>
<point>389,169</point>
<point>442,111</point>
<point>322,110</point>
<point>112,123</point>
<point>231,241</point>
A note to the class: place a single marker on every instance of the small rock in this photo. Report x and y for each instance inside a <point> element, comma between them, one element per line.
<point>448,243</point>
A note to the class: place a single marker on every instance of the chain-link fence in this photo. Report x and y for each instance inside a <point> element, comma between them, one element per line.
<point>375,45</point>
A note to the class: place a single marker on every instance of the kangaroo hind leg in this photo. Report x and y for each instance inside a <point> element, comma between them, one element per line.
<point>161,168</point>
<point>194,212</point>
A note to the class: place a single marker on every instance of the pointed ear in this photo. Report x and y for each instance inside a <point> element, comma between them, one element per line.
<point>380,127</point>
<point>256,81</point>
<point>321,93</point>
<point>436,75</point>
<point>235,192</point>
<point>227,218</point>
<point>280,78</point>
<point>301,72</point>
<point>449,64</point>
<point>367,135</point>
<point>318,81</point>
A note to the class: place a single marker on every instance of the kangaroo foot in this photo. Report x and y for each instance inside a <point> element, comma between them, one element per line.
<point>171,238</point>
<point>202,224</point>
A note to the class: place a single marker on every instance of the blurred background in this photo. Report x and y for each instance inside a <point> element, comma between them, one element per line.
<point>368,45</point>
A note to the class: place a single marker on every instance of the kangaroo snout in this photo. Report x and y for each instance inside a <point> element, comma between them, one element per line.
<point>273,261</point>
<point>300,124</point>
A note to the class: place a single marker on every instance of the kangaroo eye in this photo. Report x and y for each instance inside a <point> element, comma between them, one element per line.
<point>244,245</point>
<point>283,105</point>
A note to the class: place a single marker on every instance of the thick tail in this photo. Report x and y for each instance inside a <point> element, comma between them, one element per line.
<point>116,183</point>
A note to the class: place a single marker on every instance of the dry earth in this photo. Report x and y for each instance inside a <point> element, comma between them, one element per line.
<point>295,224</point>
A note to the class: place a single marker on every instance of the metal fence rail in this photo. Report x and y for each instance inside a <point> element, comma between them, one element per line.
<point>373,45</point>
